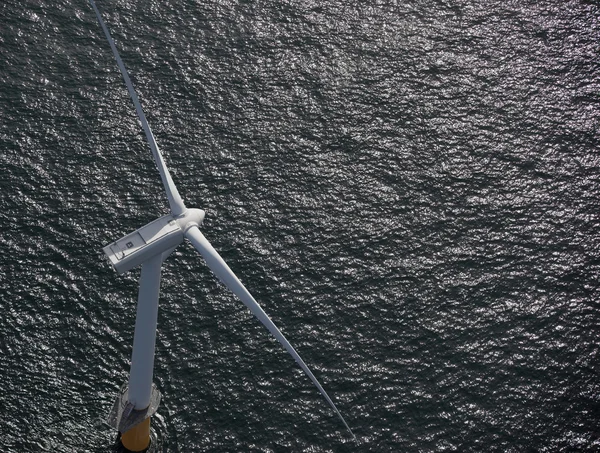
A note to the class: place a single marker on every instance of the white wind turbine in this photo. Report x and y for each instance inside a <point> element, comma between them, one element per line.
<point>149,246</point>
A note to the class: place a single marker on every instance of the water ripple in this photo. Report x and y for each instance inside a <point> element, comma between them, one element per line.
<point>409,190</point>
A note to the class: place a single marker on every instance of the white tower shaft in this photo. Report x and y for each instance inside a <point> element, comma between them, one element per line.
<point>144,337</point>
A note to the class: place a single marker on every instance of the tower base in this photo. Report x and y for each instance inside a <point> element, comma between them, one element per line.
<point>137,438</point>
<point>134,425</point>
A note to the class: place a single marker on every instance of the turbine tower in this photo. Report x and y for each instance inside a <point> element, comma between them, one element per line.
<point>148,246</point>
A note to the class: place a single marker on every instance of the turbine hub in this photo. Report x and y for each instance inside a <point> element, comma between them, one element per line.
<point>190,218</point>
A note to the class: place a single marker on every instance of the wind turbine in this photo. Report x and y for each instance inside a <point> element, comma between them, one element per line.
<point>149,246</point>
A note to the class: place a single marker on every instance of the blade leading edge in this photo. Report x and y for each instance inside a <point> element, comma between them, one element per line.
<point>175,201</point>
<point>226,275</point>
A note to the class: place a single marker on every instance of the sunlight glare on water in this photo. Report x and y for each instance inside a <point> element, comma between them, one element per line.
<point>409,189</point>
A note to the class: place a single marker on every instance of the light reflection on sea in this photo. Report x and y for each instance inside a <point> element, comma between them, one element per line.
<point>408,189</point>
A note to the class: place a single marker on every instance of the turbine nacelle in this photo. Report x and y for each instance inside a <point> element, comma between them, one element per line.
<point>157,237</point>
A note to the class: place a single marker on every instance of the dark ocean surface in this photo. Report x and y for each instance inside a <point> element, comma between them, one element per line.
<point>409,189</point>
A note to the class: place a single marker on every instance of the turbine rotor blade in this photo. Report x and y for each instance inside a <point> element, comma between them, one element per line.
<point>226,275</point>
<point>175,201</point>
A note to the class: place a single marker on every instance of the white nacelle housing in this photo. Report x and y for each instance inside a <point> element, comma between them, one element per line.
<point>135,248</point>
